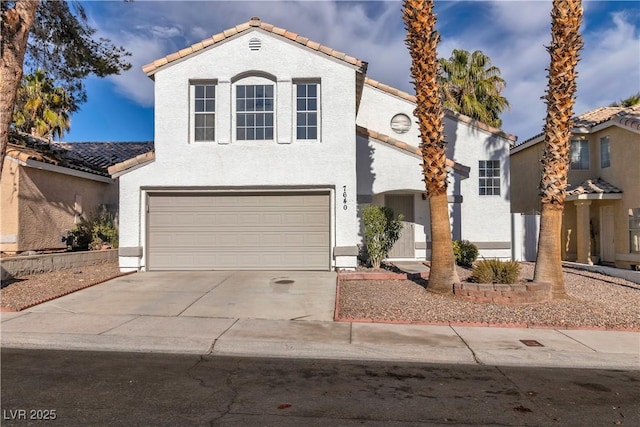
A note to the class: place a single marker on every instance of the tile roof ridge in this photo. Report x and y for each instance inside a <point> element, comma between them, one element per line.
<point>141,159</point>
<point>408,148</point>
<point>254,23</point>
<point>459,116</point>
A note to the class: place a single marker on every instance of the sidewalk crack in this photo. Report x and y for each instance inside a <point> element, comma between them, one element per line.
<point>473,353</point>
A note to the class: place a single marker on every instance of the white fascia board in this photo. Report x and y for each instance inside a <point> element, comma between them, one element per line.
<point>595,196</point>
<point>62,170</point>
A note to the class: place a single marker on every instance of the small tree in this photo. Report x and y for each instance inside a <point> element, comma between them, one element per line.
<point>381,231</point>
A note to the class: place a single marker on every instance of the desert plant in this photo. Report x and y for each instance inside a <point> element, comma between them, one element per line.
<point>465,252</point>
<point>495,271</point>
<point>381,231</point>
<point>94,232</point>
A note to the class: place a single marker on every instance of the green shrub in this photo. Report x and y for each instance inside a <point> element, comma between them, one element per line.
<point>94,233</point>
<point>495,271</point>
<point>465,252</point>
<point>381,231</point>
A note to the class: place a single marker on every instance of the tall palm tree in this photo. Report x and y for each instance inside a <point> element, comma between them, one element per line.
<point>566,43</point>
<point>472,86</point>
<point>42,108</point>
<point>422,40</point>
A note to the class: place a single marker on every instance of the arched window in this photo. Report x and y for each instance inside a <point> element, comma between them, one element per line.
<point>255,97</point>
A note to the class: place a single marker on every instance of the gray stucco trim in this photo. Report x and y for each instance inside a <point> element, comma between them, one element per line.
<point>420,245</point>
<point>133,251</point>
<point>364,198</point>
<point>493,245</point>
<point>345,251</point>
<point>454,198</point>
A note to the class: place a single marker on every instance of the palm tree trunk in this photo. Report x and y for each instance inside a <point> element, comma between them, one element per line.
<point>443,274</point>
<point>16,25</point>
<point>549,260</point>
<point>422,40</point>
<point>566,43</point>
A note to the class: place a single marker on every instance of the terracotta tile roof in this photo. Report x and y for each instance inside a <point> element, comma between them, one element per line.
<point>119,168</point>
<point>594,186</point>
<point>255,22</point>
<point>409,149</point>
<point>90,157</point>
<point>626,116</point>
<point>460,117</point>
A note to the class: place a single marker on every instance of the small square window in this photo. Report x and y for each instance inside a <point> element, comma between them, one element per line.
<point>489,177</point>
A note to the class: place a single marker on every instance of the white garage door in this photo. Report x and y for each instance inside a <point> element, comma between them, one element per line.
<point>238,231</point>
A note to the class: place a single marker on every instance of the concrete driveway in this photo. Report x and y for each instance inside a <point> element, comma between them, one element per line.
<point>278,295</point>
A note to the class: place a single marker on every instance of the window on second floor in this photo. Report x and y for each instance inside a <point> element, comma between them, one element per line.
<point>254,112</point>
<point>605,152</point>
<point>489,173</point>
<point>203,112</point>
<point>579,154</point>
<point>307,108</point>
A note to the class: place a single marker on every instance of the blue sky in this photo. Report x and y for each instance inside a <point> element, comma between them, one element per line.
<point>513,33</point>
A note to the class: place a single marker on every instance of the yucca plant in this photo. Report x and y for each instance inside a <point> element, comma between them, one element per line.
<point>566,43</point>
<point>422,40</point>
<point>495,271</point>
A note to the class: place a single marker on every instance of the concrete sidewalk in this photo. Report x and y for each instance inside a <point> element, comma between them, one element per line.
<point>209,314</point>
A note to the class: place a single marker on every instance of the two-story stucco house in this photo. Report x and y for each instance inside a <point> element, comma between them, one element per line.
<point>601,221</point>
<point>267,144</point>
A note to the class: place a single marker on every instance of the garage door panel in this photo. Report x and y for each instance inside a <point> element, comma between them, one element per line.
<point>252,231</point>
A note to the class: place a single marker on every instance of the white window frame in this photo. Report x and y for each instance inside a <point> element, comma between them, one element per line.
<point>489,179</point>
<point>254,81</point>
<point>580,159</point>
<point>193,113</point>
<point>605,152</point>
<point>297,112</point>
<point>634,230</point>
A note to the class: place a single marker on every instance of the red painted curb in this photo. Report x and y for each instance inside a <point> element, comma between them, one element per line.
<point>484,324</point>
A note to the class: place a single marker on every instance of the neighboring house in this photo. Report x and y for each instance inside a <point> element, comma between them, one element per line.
<point>267,144</point>
<point>47,186</point>
<point>601,222</point>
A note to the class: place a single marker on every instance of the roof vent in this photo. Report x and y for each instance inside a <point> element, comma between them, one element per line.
<point>255,44</point>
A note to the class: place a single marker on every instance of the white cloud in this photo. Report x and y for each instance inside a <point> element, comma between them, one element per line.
<point>513,33</point>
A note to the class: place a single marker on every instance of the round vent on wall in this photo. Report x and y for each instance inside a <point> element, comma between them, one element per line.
<point>400,123</point>
<point>255,44</point>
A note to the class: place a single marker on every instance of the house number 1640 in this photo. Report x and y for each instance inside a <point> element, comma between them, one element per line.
<point>344,197</point>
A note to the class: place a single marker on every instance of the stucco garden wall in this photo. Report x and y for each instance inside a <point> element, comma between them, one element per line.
<point>9,201</point>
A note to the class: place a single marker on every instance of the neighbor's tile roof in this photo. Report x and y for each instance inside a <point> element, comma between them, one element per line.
<point>120,168</point>
<point>407,148</point>
<point>626,116</point>
<point>255,22</point>
<point>594,186</point>
<point>460,117</point>
<point>91,157</point>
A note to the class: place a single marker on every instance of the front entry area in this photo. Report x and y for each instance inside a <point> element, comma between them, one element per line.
<point>403,204</point>
<point>238,231</point>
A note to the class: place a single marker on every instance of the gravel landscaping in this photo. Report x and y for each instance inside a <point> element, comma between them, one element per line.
<point>25,291</point>
<point>596,301</point>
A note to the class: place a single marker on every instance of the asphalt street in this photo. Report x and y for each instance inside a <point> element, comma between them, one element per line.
<point>76,388</point>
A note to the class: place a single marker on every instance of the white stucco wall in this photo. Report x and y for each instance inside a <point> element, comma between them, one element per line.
<point>231,164</point>
<point>484,220</point>
<point>377,108</point>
